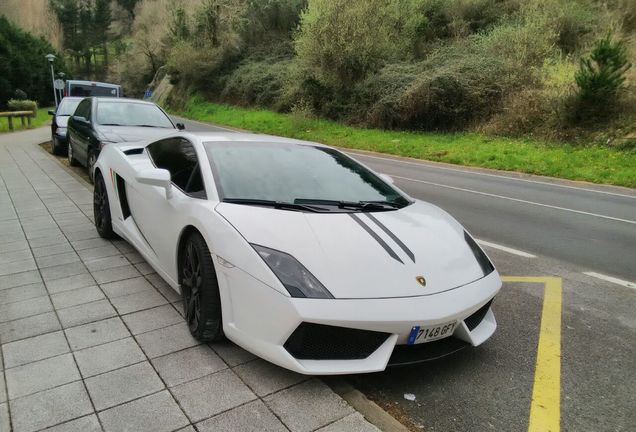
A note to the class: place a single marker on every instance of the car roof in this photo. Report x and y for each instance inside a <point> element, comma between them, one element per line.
<point>72,98</point>
<point>92,82</point>
<point>230,136</point>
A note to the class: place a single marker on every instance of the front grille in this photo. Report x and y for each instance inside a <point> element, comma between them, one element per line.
<point>474,320</point>
<point>410,354</point>
<point>323,342</point>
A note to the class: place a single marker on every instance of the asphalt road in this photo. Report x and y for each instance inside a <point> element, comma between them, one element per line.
<point>591,227</point>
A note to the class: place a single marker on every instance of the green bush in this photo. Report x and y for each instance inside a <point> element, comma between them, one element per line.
<point>601,75</point>
<point>257,83</point>
<point>23,105</point>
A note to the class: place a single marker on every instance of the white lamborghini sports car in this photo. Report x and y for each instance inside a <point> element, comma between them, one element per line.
<point>296,252</point>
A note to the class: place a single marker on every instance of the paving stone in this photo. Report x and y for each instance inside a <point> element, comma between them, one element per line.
<point>187,429</point>
<point>154,413</point>
<point>13,245</point>
<point>19,279</point>
<point>24,308</point>
<point>106,263</point>
<point>123,385</point>
<point>308,406</point>
<point>251,417</point>
<point>33,349</point>
<point>3,388</point>
<point>107,357</point>
<point>12,256</point>
<point>231,353</point>
<point>41,375</point>
<point>123,246</point>
<point>163,287</point>
<point>62,271</point>
<point>98,252</point>
<point>57,260</point>
<point>96,333</point>
<point>5,425</point>
<point>24,292</point>
<point>70,283</point>
<point>77,297</point>
<point>223,391</point>
<point>50,407</point>
<point>144,268</point>
<point>126,287</point>
<point>166,340</point>
<point>18,267</point>
<point>86,313</point>
<point>138,301</point>
<point>82,424</point>
<point>79,245</point>
<point>82,234</point>
<point>115,274</point>
<point>352,422</point>
<point>134,257</point>
<point>187,365</point>
<point>27,327</point>
<point>152,319</point>
<point>47,241</point>
<point>55,249</point>
<point>265,378</point>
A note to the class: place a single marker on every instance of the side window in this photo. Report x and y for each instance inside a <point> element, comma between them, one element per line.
<point>178,156</point>
<point>83,109</point>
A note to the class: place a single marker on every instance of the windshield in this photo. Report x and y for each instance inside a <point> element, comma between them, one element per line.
<point>131,114</point>
<point>86,90</point>
<point>292,173</point>
<point>67,107</point>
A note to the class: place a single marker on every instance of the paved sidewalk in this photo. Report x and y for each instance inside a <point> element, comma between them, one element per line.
<point>92,339</point>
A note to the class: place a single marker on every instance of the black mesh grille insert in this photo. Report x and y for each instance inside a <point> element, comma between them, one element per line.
<point>322,342</point>
<point>474,320</point>
<point>123,199</point>
<point>411,354</point>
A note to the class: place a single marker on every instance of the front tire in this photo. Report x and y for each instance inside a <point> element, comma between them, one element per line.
<point>55,147</point>
<point>101,209</point>
<point>200,290</point>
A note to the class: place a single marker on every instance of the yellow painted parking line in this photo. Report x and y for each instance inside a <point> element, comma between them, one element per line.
<point>545,408</point>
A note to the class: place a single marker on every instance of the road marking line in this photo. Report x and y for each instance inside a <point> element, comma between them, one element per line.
<point>611,279</point>
<point>517,200</point>
<point>434,166</point>
<point>545,408</point>
<point>505,249</point>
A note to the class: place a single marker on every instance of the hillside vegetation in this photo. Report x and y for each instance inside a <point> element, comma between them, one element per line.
<point>503,67</point>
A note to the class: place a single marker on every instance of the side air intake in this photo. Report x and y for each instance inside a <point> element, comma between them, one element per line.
<point>123,199</point>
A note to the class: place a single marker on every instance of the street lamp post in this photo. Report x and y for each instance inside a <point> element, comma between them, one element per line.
<point>50,58</point>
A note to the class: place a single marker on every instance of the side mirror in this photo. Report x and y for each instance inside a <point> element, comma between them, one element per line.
<point>387,178</point>
<point>80,119</point>
<point>156,177</point>
<point>180,126</point>
<point>52,112</point>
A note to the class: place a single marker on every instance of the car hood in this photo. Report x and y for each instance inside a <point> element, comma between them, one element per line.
<point>62,121</point>
<point>131,133</point>
<point>366,255</point>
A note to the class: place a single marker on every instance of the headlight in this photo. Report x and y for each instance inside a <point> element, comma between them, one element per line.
<point>298,281</point>
<point>480,256</point>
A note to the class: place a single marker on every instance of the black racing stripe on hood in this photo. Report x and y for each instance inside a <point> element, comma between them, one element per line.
<point>376,237</point>
<point>393,236</point>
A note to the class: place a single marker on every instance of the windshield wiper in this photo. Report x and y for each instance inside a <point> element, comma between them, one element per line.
<point>356,205</point>
<point>275,204</point>
<point>110,124</point>
<point>149,126</point>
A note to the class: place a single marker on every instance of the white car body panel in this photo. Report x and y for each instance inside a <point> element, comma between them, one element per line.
<point>373,281</point>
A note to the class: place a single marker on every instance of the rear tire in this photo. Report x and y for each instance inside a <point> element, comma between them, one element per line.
<point>101,209</point>
<point>71,159</point>
<point>200,290</point>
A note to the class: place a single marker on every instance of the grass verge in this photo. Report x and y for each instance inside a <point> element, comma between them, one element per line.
<point>38,121</point>
<point>595,164</point>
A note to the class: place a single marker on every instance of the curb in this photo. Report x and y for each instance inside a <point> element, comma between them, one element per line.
<point>371,411</point>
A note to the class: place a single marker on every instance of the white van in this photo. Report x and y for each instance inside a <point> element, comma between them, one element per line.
<point>91,88</point>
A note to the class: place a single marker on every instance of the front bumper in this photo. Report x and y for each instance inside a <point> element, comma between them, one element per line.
<point>261,320</point>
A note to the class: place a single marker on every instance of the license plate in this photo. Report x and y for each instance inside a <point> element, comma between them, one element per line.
<point>426,334</point>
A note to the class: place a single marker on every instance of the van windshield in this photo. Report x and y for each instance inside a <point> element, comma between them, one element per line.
<point>85,90</point>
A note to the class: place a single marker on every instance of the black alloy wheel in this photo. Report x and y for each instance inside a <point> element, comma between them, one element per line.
<point>101,209</point>
<point>200,290</point>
